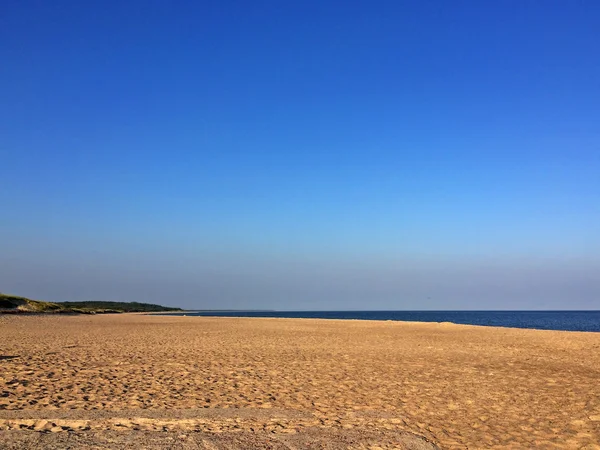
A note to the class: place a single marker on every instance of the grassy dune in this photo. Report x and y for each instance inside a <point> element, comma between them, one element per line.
<point>16,305</point>
<point>8,302</point>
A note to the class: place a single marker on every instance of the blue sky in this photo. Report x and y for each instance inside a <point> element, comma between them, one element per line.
<point>302,155</point>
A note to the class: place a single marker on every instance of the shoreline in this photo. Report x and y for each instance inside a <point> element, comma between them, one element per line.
<point>193,313</point>
<point>415,322</point>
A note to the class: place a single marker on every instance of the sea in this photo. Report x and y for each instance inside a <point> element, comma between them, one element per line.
<point>541,320</point>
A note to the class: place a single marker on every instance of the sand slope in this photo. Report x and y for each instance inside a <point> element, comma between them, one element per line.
<point>458,386</point>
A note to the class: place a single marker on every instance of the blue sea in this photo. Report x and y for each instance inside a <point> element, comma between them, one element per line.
<point>542,320</point>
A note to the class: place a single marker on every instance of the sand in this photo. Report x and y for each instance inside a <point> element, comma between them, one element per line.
<point>133,381</point>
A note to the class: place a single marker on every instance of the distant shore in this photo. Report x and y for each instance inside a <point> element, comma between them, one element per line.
<point>12,304</point>
<point>290,382</point>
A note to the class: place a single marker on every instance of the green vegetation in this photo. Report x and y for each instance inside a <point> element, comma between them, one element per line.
<point>16,305</point>
<point>8,302</point>
<point>119,306</point>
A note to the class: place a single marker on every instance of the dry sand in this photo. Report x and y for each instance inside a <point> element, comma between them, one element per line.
<point>135,381</point>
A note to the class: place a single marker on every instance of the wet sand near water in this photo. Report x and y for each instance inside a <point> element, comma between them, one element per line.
<point>131,381</point>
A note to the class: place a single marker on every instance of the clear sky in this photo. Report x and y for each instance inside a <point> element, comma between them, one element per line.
<point>302,155</point>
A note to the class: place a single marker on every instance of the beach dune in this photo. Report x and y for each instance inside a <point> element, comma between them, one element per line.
<point>201,382</point>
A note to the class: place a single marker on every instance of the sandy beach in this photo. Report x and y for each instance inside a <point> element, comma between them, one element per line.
<point>196,382</point>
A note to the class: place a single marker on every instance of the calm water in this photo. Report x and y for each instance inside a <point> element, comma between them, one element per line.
<point>543,320</point>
